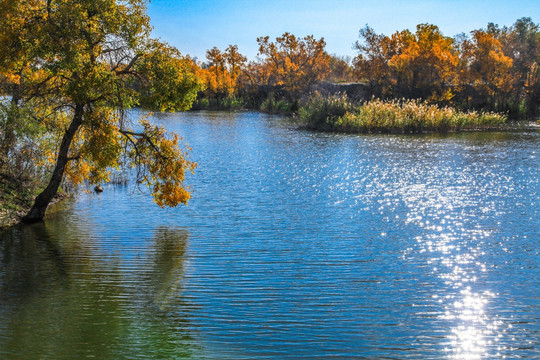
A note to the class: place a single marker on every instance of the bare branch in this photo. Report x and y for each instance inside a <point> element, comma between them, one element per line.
<point>127,69</point>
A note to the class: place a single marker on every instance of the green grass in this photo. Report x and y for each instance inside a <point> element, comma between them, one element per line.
<point>323,113</point>
<point>397,116</point>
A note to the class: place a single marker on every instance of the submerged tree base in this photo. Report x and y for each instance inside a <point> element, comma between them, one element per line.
<point>16,198</point>
<point>336,113</point>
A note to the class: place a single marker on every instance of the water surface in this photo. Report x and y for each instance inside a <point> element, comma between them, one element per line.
<point>295,244</point>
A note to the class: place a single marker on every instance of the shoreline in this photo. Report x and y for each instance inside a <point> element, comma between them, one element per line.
<point>512,126</point>
<point>16,202</point>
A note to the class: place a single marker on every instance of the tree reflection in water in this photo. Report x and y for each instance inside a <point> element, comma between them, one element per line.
<point>64,295</point>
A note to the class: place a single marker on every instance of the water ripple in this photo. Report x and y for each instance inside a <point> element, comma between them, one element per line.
<point>295,245</point>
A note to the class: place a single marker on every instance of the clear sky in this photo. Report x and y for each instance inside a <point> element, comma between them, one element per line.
<point>194,26</point>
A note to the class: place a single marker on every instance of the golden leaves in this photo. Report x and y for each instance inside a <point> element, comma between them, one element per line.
<point>160,163</point>
<point>295,63</point>
<point>79,65</point>
<point>489,68</point>
<point>429,65</point>
<point>224,69</point>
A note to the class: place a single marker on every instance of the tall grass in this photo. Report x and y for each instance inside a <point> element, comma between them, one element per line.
<point>400,116</point>
<point>323,112</point>
<point>273,105</point>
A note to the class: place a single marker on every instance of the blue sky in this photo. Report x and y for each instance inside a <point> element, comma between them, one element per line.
<point>194,26</point>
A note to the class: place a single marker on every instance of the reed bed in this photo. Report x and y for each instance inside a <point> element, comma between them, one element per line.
<point>336,113</point>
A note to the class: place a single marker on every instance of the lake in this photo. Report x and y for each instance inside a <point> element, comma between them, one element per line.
<point>295,245</point>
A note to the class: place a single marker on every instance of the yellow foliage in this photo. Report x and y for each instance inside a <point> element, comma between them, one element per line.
<point>294,63</point>
<point>224,69</point>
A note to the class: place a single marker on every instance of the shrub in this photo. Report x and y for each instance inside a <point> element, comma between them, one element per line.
<point>322,113</point>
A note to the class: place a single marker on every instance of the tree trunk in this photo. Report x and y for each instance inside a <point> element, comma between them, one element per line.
<point>37,212</point>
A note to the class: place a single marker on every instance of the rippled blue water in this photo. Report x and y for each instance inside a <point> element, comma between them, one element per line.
<point>296,244</point>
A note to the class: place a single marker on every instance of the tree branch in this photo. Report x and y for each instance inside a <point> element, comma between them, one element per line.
<point>127,69</point>
<point>129,134</point>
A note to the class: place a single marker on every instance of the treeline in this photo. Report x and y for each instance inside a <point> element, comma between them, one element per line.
<point>287,68</point>
<point>493,69</point>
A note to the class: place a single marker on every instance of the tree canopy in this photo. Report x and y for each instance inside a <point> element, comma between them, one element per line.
<point>76,66</point>
<point>294,63</point>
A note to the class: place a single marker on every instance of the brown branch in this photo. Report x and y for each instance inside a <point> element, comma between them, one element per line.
<point>128,134</point>
<point>127,69</point>
<point>106,51</point>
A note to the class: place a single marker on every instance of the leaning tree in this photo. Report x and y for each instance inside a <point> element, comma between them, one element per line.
<point>79,65</point>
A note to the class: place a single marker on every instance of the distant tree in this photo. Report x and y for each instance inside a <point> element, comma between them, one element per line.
<point>340,69</point>
<point>79,64</point>
<point>371,63</point>
<point>521,42</point>
<point>294,63</point>
<point>487,68</point>
<point>223,71</point>
<point>235,61</point>
<point>417,64</point>
<point>424,61</point>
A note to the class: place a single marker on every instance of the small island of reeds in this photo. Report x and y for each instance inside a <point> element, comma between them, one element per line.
<point>337,113</point>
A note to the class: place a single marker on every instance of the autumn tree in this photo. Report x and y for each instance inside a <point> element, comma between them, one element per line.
<point>486,67</point>
<point>419,64</point>
<point>235,61</point>
<point>216,79</point>
<point>521,42</point>
<point>223,70</point>
<point>294,63</point>
<point>340,69</point>
<point>80,64</point>
<point>424,61</point>
<point>371,63</point>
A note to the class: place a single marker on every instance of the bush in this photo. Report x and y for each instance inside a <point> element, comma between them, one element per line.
<point>320,112</point>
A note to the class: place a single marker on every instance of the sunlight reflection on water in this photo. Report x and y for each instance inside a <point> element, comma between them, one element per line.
<point>454,242</point>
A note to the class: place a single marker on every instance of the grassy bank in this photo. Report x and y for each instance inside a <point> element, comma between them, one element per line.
<point>15,200</point>
<point>336,113</point>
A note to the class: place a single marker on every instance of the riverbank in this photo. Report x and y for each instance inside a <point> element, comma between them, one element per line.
<point>16,199</point>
